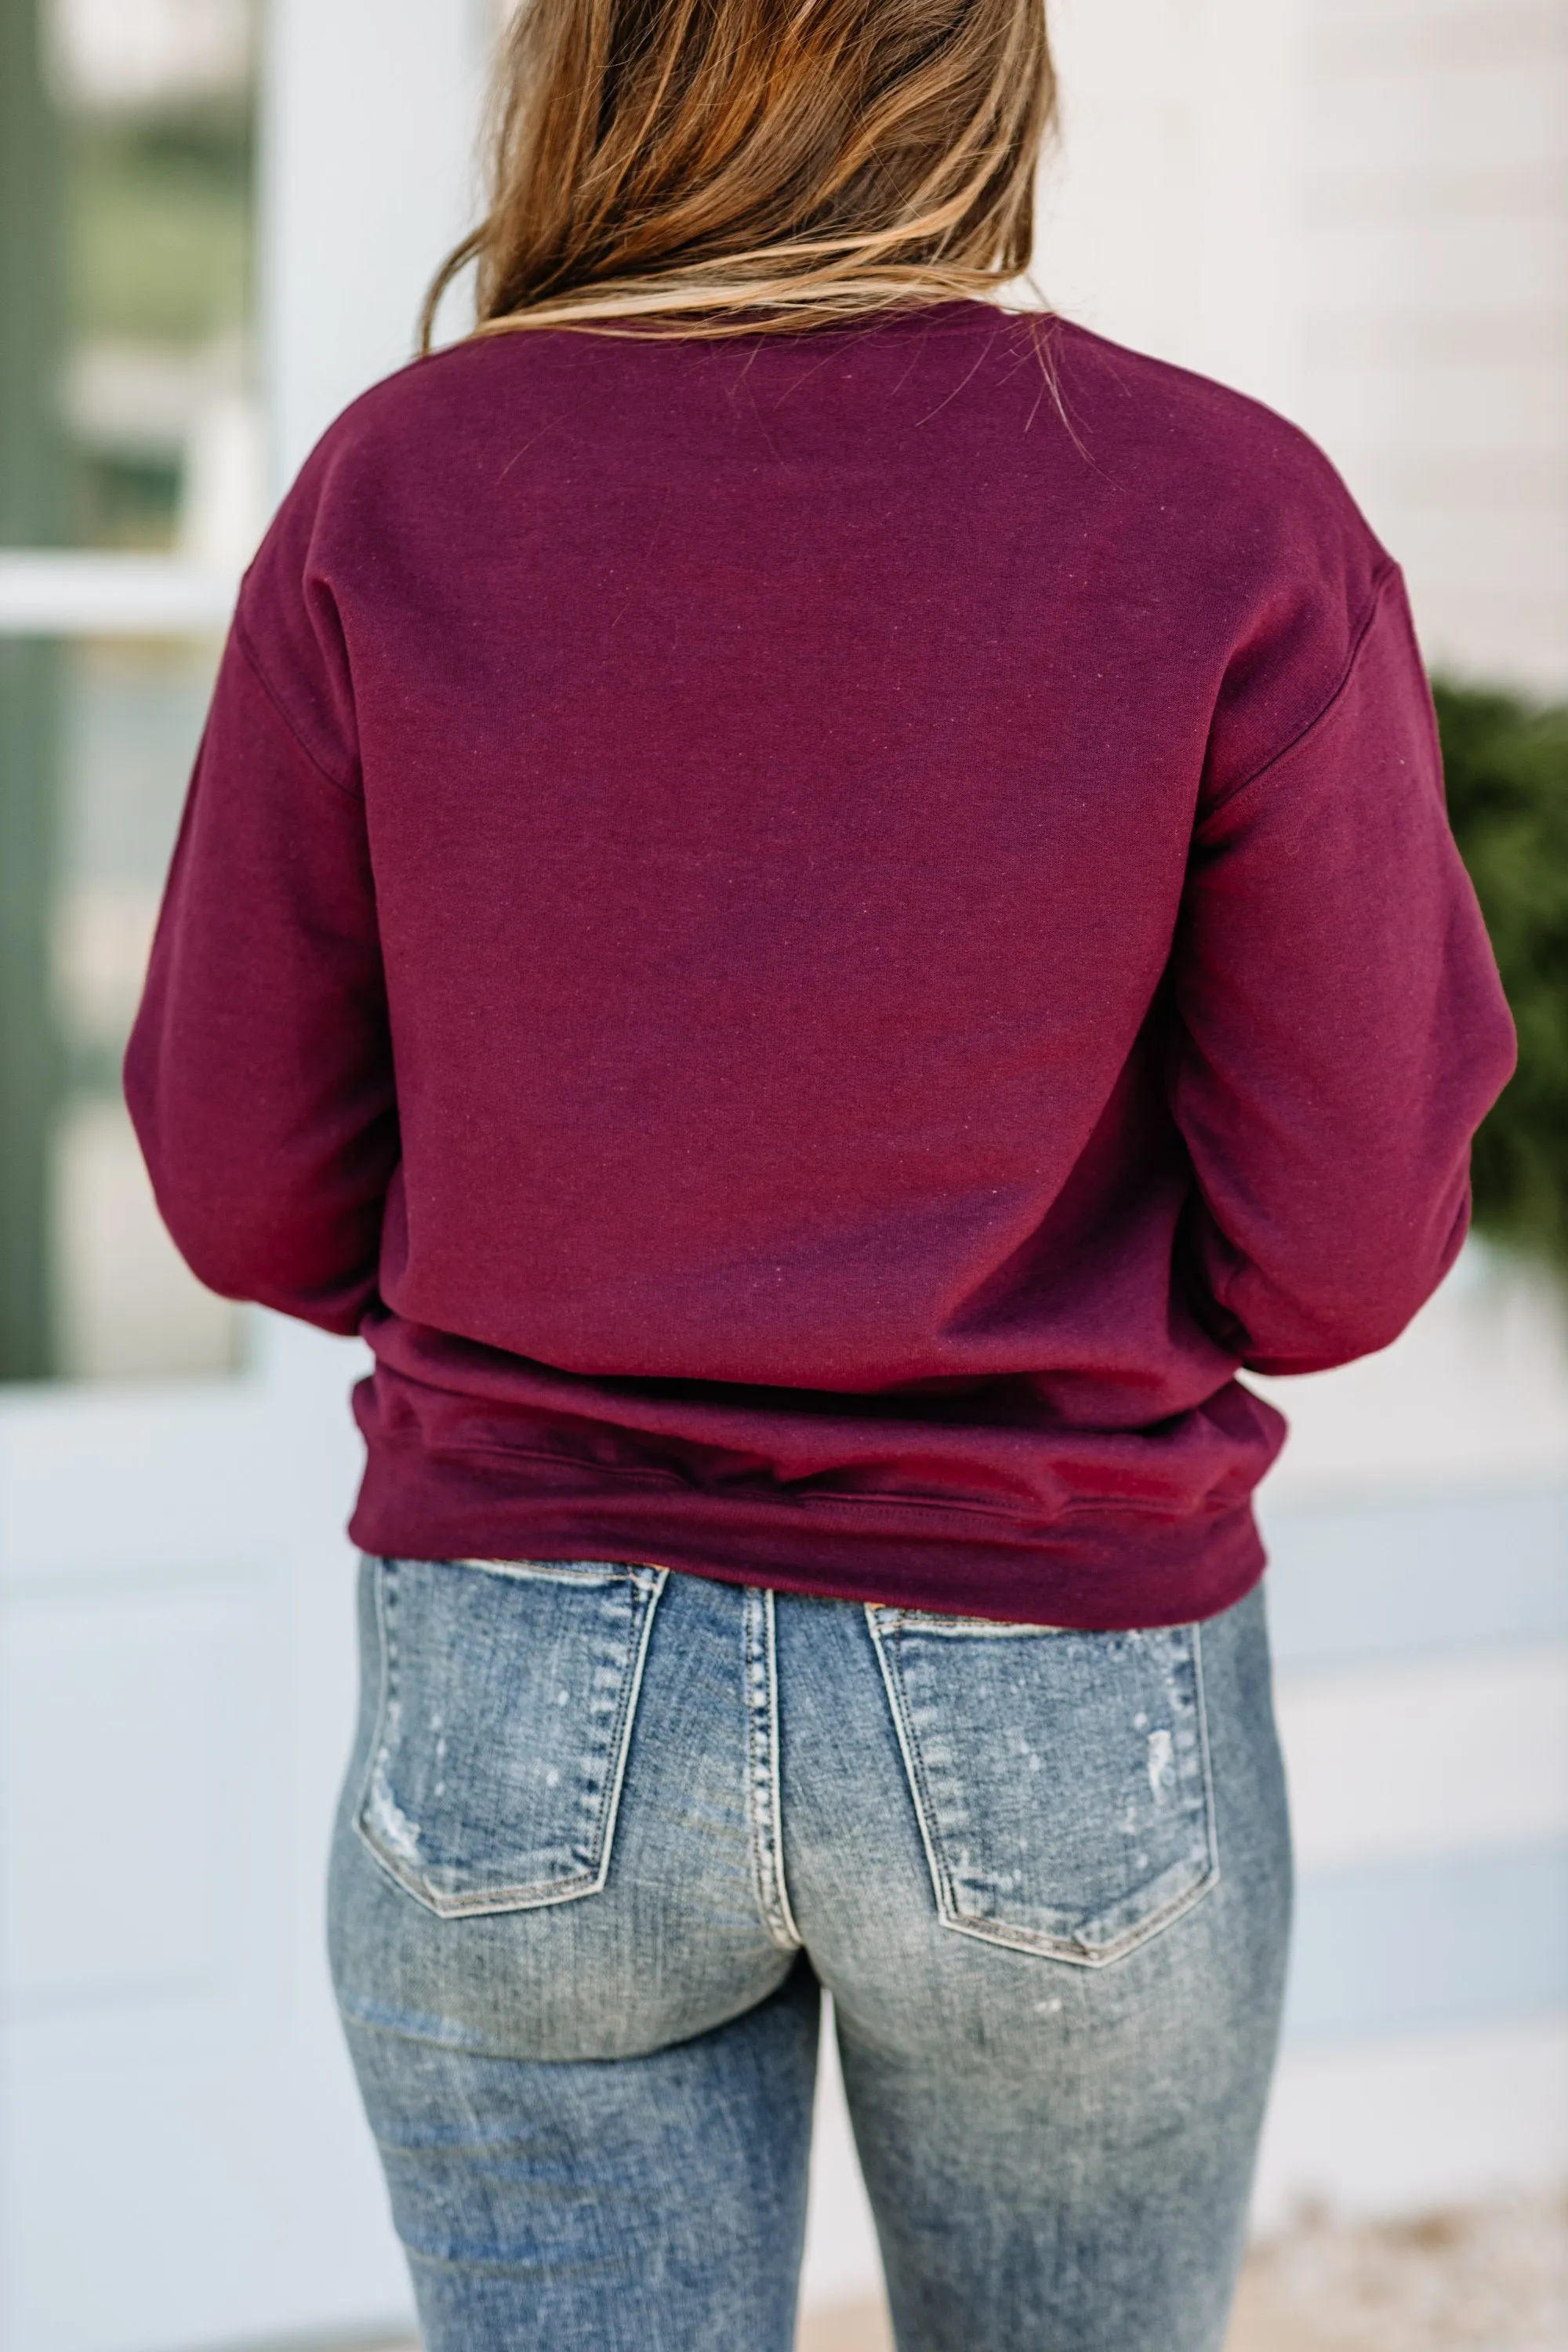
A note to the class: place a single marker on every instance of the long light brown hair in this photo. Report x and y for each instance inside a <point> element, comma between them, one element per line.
<point>700,167</point>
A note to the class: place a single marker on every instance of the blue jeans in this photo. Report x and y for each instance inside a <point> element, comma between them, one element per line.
<point>607,1831</point>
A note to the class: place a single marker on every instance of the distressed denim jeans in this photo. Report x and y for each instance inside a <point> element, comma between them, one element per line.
<point>608,1831</point>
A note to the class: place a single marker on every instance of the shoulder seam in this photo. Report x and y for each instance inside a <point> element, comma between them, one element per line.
<point>1389,570</point>
<point>253,663</point>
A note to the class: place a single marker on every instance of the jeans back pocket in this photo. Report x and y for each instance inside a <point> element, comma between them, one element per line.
<point>1061,1779</point>
<point>508,1690</point>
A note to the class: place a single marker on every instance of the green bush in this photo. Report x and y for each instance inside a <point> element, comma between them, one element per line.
<point>1507,766</point>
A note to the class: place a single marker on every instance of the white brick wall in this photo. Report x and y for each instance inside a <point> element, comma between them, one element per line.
<point>1358,210</point>
<point>1432,350</point>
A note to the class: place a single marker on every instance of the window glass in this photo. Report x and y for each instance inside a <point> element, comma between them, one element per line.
<point>155,381</point>
<point>128,421</point>
<point>90,1286</point>
<point>120,1303</point>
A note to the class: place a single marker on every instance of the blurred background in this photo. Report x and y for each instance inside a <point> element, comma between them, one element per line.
<point>216,220</point>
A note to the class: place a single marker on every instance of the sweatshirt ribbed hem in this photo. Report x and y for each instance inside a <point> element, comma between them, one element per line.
<point>1094,1571</point>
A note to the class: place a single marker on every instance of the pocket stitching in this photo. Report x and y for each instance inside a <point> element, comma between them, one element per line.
<point>536,1894</point>
<point>975,1629</point>
<point>1034,1939</point>
<point>550,1572</point>
<point>914,1769</point>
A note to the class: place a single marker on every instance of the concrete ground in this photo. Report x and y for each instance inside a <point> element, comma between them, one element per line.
<point>1494,2279</point>
<point>1491,2280</point>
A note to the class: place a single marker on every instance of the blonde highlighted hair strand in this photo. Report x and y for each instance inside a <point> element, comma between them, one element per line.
<point>701,167</point>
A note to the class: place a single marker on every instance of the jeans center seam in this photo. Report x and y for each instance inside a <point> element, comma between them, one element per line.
<point>764,1803</point>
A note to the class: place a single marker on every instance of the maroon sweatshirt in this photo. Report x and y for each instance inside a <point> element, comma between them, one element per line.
<point>816,939</point>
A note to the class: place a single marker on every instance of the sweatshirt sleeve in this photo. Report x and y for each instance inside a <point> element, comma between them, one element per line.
<point>260,1071</point>
<point>1339,1028</point>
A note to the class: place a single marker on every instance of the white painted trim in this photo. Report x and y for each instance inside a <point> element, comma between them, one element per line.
<point>59,592</point>
<point>369,139</point>
<point>1407,2127</point>
<point>1430,1757</point>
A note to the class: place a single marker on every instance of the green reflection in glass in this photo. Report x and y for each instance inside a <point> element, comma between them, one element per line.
<point>127,419</point>
<point>154,112</point>
<point>32,510</point>
<point>120,1303</point>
